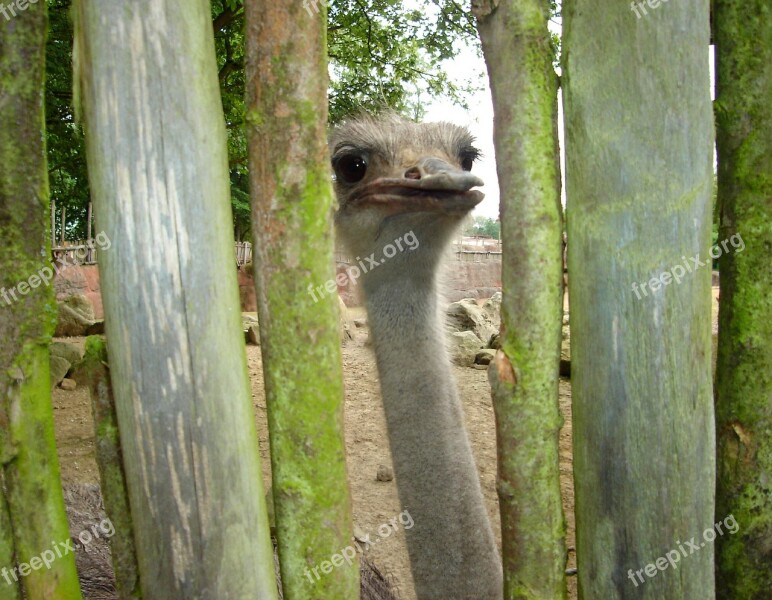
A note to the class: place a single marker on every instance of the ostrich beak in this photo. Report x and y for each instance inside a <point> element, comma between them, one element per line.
<point>432,185</point>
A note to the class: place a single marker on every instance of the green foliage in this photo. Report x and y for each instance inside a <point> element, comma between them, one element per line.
<point>382,54</point>
<point>484,226</point>
<point>67,174</point>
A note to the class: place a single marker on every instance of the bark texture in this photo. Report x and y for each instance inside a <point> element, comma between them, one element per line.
<point>109,458</point>
<point>524,375</point>
<point>31,503</point>
<point>292,221</point>
<point>743,31</point>
<point>639,138</point>
<point>157,159</point>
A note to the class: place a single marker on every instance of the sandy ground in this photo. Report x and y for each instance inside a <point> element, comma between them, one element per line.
<point>375,502</point>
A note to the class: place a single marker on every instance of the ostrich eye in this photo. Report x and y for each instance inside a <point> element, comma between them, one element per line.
<point>468,157</point>
<point>350,168</point>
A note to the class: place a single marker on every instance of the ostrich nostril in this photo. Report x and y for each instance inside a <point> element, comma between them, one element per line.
<point>413,173</point>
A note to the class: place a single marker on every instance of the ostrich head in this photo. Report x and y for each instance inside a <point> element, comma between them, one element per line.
<point>394,176</point>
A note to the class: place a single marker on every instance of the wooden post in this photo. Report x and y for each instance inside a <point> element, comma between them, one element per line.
<point>291,203</point>
<point>64,220</point>
<point>33,523</point>
<point>639,151</point>
<point>743,375</point>
<point>53,223</point>
<point>90,250</point>
<point>524,374</point>
<point>157,159</point>
<point>111,472</point>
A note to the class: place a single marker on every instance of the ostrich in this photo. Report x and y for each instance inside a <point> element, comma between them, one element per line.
<point>395,179</point>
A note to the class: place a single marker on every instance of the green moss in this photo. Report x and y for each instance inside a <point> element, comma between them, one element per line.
<point>33,506</point>
<point>304,389</point>
<point>743,380</point>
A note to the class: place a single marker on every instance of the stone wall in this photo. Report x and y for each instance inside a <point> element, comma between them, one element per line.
<point>76,279</point>
<point>460,279</point>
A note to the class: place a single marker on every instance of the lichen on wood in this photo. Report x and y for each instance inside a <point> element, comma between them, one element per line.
<point>32,508</point>
<point>742,31</point>
<point>524,374</point>
<point>292,204</point>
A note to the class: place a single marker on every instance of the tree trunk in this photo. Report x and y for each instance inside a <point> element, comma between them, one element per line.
<point>524,376</point>
<point>639,142</point>
<point>111,472</point>
<point>158,170</point>
<point>293,250</point>
<point>31,504</point>
<point>743,378</point>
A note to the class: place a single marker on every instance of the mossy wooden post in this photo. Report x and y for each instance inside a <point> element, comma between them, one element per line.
<point>639,147</point>
<point>524,375</point>
<point>111,472</point>
<point>31,504</point>
<point>155,142</point>
<point>742,32</point>
<point>292,223</point>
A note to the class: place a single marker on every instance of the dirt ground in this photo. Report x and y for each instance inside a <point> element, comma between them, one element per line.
<point>375,502</point>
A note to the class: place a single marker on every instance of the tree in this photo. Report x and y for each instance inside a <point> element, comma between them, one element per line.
<point>157,161</point>
<point>639,146</point>
<point>64,136</point>
<point>524,374</point>
<point>742,32</point>
<point>485,227</point>
<point>302,366</point>
<point>31,503</point>
<point>382,55</point>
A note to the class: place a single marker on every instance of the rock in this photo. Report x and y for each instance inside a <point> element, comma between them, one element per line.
<point>492,309</point>
<point>495,341</point>
<point>359,535</point>
<point>345,326</point>
<point>76,315</point>
<point>248,319</point>
<point>97,328</point>
<point>253,335</point>
<point>464,346</point>
<point>358,323</point>
<point>251,328</point>
<point>384,473</point>
<point>465,315</point>
<point>68,384</point>
<point>484,356</point>
<point>69,352</point>
<point>59,368</point>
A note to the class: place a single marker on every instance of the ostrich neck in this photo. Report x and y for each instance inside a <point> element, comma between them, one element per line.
<point>452,550</point>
